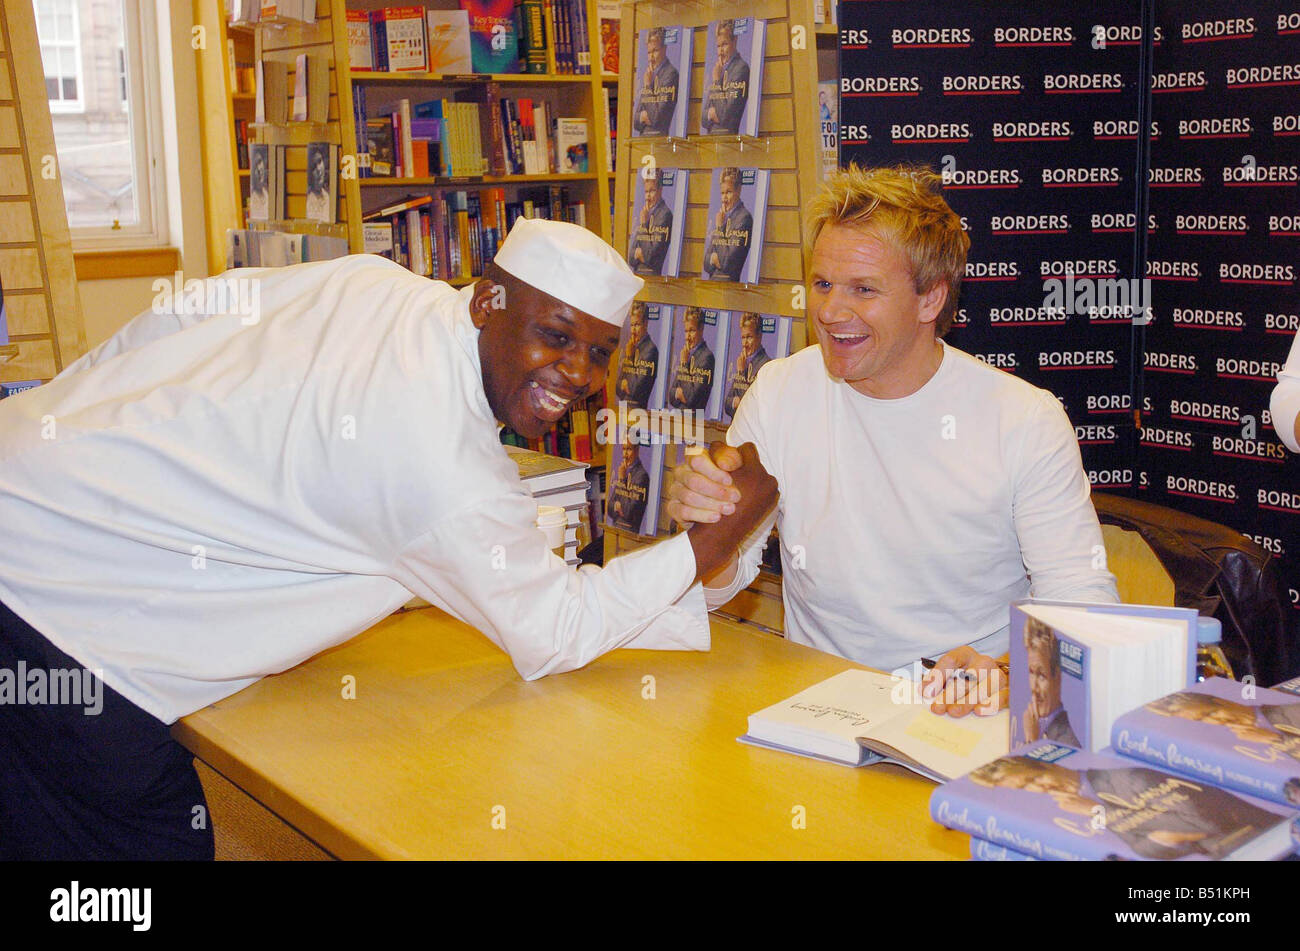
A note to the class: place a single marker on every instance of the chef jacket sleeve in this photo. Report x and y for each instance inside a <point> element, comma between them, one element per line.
<point>489,565</point>
<point>1285,403</point>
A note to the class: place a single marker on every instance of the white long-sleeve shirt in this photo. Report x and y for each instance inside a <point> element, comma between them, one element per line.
<point>1284,406</point>
<point>206,499</point>
<point>908,526</point>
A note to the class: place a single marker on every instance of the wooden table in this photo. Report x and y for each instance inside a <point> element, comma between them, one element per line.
<point>443,744</point>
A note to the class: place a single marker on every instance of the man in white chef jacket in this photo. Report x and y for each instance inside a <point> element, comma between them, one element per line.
<point>209,498</point>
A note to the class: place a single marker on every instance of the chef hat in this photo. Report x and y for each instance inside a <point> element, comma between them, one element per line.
<point>571,264</point>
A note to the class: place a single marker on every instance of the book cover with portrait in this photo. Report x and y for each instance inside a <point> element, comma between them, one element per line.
<point>643,354</point>
<point>634,481</point>
<point>658,221</point>
<point>1238,736</point>
<point>753,341</point>
<point>733,248</point>
<point>697,357</point>
<point>733,76</point>
<point>1051,801</point>
<point>322,181</point>
<point>662,83</point>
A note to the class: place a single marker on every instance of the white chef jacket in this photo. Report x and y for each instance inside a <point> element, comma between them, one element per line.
<point>908,526</point>
<point>207,498</point>
<point>1284,406</point>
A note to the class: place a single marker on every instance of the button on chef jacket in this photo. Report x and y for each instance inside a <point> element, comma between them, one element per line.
<point>209,498</point>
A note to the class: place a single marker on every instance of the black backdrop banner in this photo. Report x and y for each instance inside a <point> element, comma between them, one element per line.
<point>1151,282</point>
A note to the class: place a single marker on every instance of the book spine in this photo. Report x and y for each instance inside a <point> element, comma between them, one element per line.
<point>548,22</point>
<point>494,133</point>
<point>439,228</point>
<point>380,39</point>
<point>533,26</point>
<point>408,151</point>
<point>981,850</point>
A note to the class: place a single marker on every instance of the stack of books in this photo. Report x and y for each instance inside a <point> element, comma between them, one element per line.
<point>558,482</point>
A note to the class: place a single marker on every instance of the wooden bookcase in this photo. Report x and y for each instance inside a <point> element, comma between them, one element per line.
<point>788,144</point>
<point>36,267</point>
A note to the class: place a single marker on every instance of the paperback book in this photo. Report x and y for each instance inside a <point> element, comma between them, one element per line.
<point>861,717</point>
<point>571,149</point>
<point>733,77</point>
<point>1052,801</point>
<point>643,349</point>
<point>699,351</point>
<point>663,81</point>
<point>755,340</point>
<point>635,475</point>
<point>610,15</point>
<point>658,221</point>
<point>1076,667</point>
<point>828,116</point>
<point>733,250</point>
<point>1234,735</point>
<point>322,181</point>
<point>449,42</point>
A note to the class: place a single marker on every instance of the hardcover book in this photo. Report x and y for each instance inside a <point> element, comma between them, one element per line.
<point>322,181</point>
<point>1076,667</point>
<point>259,181</point>
<point>404,33</point>
<point>861,717</point>
<point>658,222</point>
<point>733,250</point>
<point>733,76</point>
<point>1052,801</point>
<point>494,43</point>
<point>662,82</point>
<point>755,339</point>
<point>982,850</point>
<point>449,42</point>
<point>642,356</point>
<point>361,54</point>
<point>610,14</point>
<point>635,475</point>
<point>1234,735</point>
<point>698,354</point>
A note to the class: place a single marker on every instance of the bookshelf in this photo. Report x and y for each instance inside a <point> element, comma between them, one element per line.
<point>787,144</point>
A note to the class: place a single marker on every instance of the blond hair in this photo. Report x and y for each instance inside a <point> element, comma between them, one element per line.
<point>904,208</point>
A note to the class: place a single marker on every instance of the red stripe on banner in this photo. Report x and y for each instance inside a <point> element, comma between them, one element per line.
<point>1112,230</point>
<point>932,46</point>
<point>979,186</point>
<point>1235,330</point>
<point>1287,133</point>
<point>1285,234</point>
<point>1259,184</point>
<point>1116,138</point>
<point>1208,498</point>
<point>1097,366</point>
<point>1279,82</point>
<point>1243,376</point>
<point>1032,138</point>
<point>988,92</point>
<point>1071,92</point>
<point>1158,445</point>
<point>1169,370</point>
<point>923,141</point>
<point>858,95</point>
<point>1277,508</point>
<point>1096,412</point>
<point>1043,231</point>
<point>1203,419</point>
<point>856,46</point>
<point>969,279</point>
<point>1212,39</point>
<point>1242,280</point>
<point>1027,323</point>
<point>1287,32</point>
<point>1220,135</point>
<point>1107,321</point>
<point>1275,330</point>
<point>1009,46</point>
<point>1082,185</point>
<point>1242,455</point>
<point>1182,231</point>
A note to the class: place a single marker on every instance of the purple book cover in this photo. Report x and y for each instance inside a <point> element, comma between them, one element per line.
<point>663,81</point>
<point>1186,615</point>
<point>1055,802</point>
<point>697,358</point>
<point>733,250</point>
<point>733,77</point>
<point>658,219</point>
<point>754,340</point>
<point>1235,735</point>
<point>644,350</point>
<point>982,850</point>
<point>635,476</point>
<point>1049,685</point>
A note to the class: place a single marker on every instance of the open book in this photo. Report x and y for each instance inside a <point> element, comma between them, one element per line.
<point>859,717</point>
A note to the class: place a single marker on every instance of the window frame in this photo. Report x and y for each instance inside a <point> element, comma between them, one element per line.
<point>63,106</point>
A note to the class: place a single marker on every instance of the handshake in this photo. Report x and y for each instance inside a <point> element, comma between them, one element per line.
<point>720,496</point>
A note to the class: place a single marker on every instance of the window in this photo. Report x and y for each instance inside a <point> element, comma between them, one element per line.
<point>59,34</point>
<point>102,80</point>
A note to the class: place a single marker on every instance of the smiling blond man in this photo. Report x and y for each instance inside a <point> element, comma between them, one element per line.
<point>921,490</point>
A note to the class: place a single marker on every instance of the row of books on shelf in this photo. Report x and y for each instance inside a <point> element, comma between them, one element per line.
<point>444,137</point>
<point>1111,747</point>
<point>733,239</point>
<point>570,438</point>
<point>248,248</point>
<point>542,37</point>
<point>267,188</point>
<point>452,234</point>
